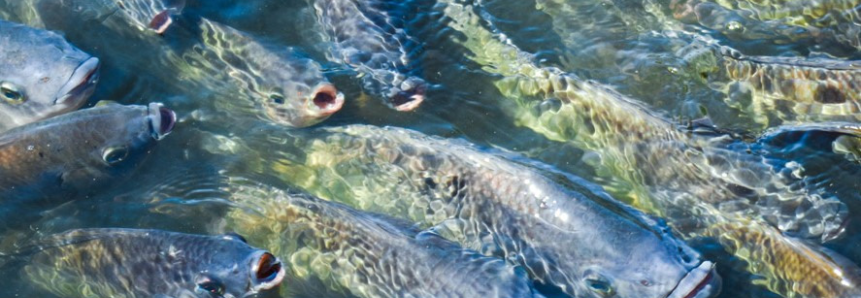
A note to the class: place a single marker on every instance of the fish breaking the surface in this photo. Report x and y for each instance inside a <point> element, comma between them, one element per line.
<point>565,232</point>
<point>71,156</point>
<point>366,254</point>
<point>134,263</point>
<point>364,36</point>
<point>663,170</point>
<point>42,75</point>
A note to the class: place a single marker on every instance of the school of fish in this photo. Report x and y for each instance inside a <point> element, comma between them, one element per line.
<point>430,148</point>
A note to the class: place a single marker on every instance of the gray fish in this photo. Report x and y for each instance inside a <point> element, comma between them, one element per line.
<point>133,263</point>
<point>287,88</point>
<point>366,254</point>
<point>42,75</point>
<point>155,16</point>
<point>364,36</point>
<point>834,20</point>
<point>691,182</point>
<point>55,160</point>
<point>564,231</point>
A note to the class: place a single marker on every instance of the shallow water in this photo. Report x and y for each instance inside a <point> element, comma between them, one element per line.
<point>180,188</point>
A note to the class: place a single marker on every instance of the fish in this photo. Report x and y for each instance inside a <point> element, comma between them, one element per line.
<point>366,254</point>
<point>44,75</point>
<point>231,71</point>
<point>768,90</point>
<point>819,21</point>
<point>288,88</point>
<point>653,165</point>
<point>116,262</point>
<point>777,90</point>
<point>565,232</point>
<point>366,36</point>
<point>72,156</point>
<point>131,17</point>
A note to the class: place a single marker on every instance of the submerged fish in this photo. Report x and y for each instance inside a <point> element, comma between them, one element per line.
<point>779,89</point>
<point>367,37</point>
<point>58,159</point>
<point>835,20</point>
<point>42,75</point>
<point>366,254</point>
<point>149,263</point>
<point>565,232</point>
<point>664,171</point>
<point>154,16</point>
<point>287,88</point>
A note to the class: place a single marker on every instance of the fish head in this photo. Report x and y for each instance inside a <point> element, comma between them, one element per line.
<point>407,95</point>
<point>43,75</point>
<point>300,98</point>
<point>674,271</point>
<point>239,270</point>
<point>123,138</point>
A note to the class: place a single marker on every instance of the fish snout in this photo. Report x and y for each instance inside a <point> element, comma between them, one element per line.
<point>81,84</point>
<point>267,273</point>
<point>701,282</point>
<point>162,120</point>
<point>409,95</point>
<point>327,100</point>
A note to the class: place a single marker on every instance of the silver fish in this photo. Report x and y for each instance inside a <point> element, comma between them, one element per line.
<point>364,36</point>
<point>666,172</point>
<point>42,75</point>
<point>55,160</point>
<point>366,254</point>
<point>565,232</point>
<point>133,263</point>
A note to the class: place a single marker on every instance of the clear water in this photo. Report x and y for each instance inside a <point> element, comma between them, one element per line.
<point>179,188</point>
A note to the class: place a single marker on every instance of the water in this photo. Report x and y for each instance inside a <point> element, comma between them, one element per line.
<point>616,43</point>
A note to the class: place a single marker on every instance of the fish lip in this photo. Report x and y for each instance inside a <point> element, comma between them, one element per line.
<point>412,89</point>
<point>701,282</point>
<point>333,103</point>
<point>255,266</point>
<point>161,120</point>
<point>81,84</point>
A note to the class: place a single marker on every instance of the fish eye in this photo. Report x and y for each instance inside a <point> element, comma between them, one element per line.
<point>114,155</point>
<point>10,93</point>
<point>599,285</point>
<point>277,98</point>
<point>210,286</point>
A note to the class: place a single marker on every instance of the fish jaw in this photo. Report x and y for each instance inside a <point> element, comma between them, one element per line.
<point>409,96</point>
<point>267,272</point>
<point>323,102</point>
<point>701,282</point>
<point>80,85</point>
<point>161,120</point>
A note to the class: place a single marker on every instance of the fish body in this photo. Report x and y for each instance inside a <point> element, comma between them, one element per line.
<point>149,263</point>
<point>810,19</point>
<point>68,156</point>
<point>366,254</point>
<point>569,235</point>
<point>43,75</point>
<point>686,179</point>
<point>365,36</point>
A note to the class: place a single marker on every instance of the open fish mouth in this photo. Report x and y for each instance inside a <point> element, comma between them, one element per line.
<point>162,120</point>
<point>701,282</point>
<point>410,96</point>
<point>268,272</point>
<point>81,84</point>
<point>326,100</point>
